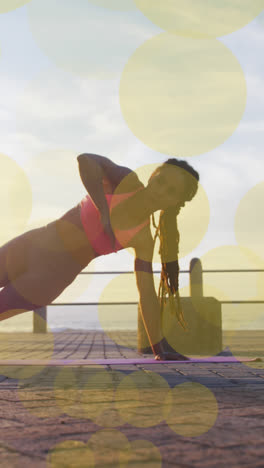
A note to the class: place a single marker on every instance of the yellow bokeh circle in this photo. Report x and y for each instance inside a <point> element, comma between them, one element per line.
<point>9,5</point>
<point>66,391</point>
<point>203,325</point>
<point>144,453</point>
<point>89,395</point>
<point>131,208</point>
<point>234,285</point>
<point>102,446</point>
<point>33,395</point>
<point>182,96</point>
<point>239,320</point>
<point>206,316</point>
<point>15,199</point>
<point>18,346</point>
<point>97,398</point>
<point>79,39</point>
<point>249,223</point>
<point>70,453</point>
<point>193,411</point>
<point>200,18</point>
<point>110,444</point>
<point>140,399</point>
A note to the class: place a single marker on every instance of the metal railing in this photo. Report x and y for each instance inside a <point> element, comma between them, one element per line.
<point>196,286</point>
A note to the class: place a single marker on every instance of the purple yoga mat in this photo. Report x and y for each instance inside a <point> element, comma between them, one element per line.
<point>122,361</point>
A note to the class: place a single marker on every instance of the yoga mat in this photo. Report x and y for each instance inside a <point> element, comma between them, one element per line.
<point>122,361</point>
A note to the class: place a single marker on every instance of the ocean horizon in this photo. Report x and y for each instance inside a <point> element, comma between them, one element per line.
<point>61,318</point>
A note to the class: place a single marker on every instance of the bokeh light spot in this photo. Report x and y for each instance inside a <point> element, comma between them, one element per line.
<point>182,96</point>
<point>234,285</point>
<point>71,453</point>
<point>9,5</point>
<point>194,409</point>
<point>79,39</point>
<point>140,399</point>
<point>200,18</point>
<point>144,453</point>
<point>89,394</point>
<point>202,316</point>
<point>110,444</point>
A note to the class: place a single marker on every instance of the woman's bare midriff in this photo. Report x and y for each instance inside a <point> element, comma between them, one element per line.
<point>73,237</point>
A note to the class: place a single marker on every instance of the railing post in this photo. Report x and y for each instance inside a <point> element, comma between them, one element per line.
<point>40,320</point>
<point>196,278</point>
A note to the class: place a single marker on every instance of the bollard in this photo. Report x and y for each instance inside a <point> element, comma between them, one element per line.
<point>203,316</point>
<point>40,320</point>
<point>196,278</point>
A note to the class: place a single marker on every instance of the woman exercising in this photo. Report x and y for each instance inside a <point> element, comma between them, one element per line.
<point>38,265</point>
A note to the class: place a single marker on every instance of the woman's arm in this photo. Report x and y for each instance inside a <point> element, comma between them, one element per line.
<point>93,169</point>
<point>113,172</point>
<point>149,302</point>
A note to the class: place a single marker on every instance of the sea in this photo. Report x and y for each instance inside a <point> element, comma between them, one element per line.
<point>92,317</point>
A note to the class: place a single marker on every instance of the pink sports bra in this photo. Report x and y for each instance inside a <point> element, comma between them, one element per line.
<point>91,221</point>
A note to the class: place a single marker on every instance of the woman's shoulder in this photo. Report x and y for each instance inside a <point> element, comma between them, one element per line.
<point>127,181</point>
<point>143,243</point>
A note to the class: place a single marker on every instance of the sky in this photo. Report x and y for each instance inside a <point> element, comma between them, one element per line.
<point>70,78</point>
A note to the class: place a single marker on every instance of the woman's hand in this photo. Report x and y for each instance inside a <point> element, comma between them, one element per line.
<point>168,356</point>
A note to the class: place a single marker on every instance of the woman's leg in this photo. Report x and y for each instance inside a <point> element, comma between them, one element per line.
<point>13,303</point>
<point>29,292</point>
<point>14,264</point>
<point>48,268</point>
<point>13,259</point>
<point>4,280</point>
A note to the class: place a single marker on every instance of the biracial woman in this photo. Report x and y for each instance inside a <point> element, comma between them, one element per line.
<point>38,265</point>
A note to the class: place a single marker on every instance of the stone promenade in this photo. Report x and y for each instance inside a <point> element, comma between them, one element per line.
<point>141,415</point>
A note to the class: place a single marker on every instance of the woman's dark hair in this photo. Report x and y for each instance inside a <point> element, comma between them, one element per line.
<point>169,237</point>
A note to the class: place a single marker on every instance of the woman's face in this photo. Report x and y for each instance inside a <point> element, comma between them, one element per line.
<point>167,187</point>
